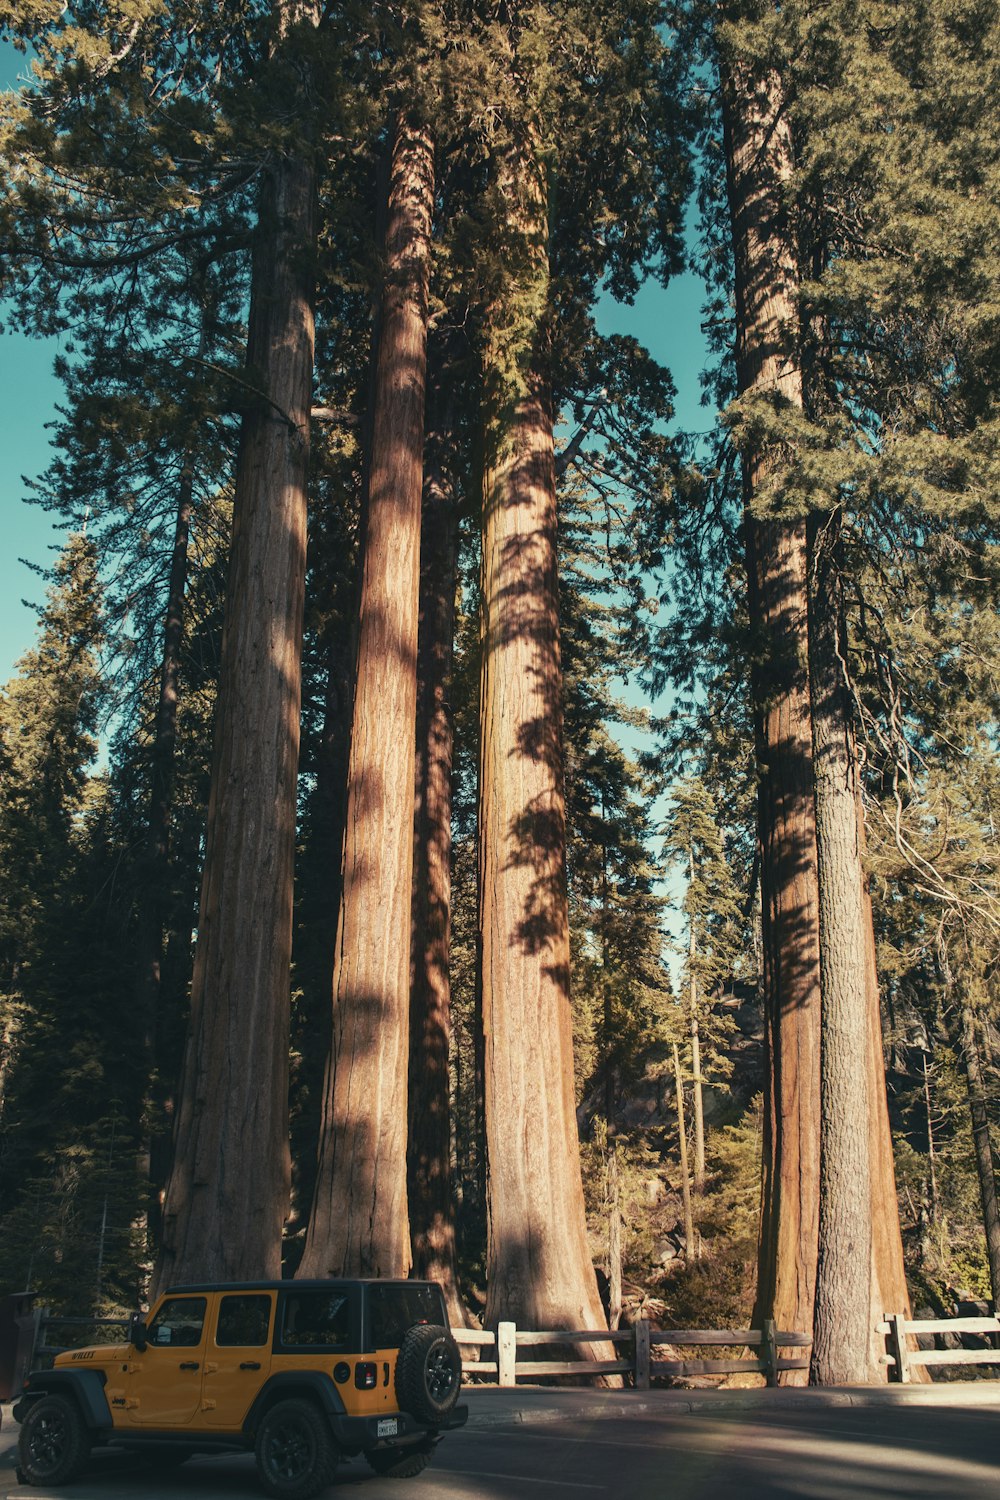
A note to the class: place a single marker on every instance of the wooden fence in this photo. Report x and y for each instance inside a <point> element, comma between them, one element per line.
<point>508,1352</point>
<point>637,1349</point>
<point>901,1358</point>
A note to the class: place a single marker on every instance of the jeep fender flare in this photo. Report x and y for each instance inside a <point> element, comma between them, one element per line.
<point>312,1384</point>
<point>87,1386</point>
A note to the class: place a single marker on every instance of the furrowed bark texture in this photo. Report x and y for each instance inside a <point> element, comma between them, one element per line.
<point>759,161</point>
<point>228,1192</point>
<point>539,1271</point>
<point>842,1344</point>
<point>429,1174</point>
<point>359,1222</point>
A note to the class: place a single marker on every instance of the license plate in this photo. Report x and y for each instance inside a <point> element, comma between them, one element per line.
<point>388,1427</point>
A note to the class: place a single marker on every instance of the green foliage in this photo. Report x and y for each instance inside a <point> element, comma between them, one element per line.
<point>717,1290</point>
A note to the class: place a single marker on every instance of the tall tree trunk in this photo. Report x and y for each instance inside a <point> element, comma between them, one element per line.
<point>429,1178</point>
<point>689,1229</point>
<point>359,1224</point>
<point>539,1268</point>
<point>935,1206</point>
<point>228,1191</point>
<point>888,1289</point>
<point>759,164</point>
<point>614,1237</point>
<point>843,1320</point>
<point>151,892</point>
<point>697,1097</point>
<point>968,1051</point>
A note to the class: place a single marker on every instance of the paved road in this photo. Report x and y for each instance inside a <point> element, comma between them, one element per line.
<point>780,1451</point>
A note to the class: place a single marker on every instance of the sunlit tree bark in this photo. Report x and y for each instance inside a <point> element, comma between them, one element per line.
<point>539,1271</point>
<point>359,1221</point>
<point>227,1195</point>
<point>759,164</point>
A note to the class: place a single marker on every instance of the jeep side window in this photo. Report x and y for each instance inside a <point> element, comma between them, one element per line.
<point>315,1319</point>
<point>243,1320</point>
<point>179,1323</point>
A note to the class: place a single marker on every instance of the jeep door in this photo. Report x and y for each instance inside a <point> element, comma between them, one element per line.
<point>164,1380</point>
<point>237,1357</point>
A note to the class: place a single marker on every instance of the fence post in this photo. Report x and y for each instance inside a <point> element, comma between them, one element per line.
<point>897,1346</point>
<point>769,1351</point>
<point>506,1353</point>
<point>642,1354</point>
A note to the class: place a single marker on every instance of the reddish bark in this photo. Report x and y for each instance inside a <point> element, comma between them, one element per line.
<point>359,1224</point>
<point>228,1190</point>
<point>759,162</point>
<point>539,1271</point>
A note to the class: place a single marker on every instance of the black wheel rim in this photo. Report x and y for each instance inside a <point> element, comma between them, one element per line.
<point>289,1451</point>
<point>48,1442</point>
<point>440,1374</point>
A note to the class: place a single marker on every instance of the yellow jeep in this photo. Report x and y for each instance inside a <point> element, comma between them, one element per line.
<point>302,1372</point>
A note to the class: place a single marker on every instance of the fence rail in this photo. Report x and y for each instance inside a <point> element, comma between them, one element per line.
<point>637,1348</point>
<point>901,1358</point>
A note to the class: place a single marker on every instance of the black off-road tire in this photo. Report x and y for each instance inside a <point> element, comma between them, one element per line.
<point>428,1372</point>
<point>54,1443</point>
<point>295,1451</point>
<point>395,1463</point>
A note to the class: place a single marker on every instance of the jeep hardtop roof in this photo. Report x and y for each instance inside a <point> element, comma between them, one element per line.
<point>292,1285</point>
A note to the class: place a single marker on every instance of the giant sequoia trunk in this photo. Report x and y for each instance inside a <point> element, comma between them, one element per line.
<point>539,1271</point>
<point>228,1190</point>
<point>759,163</point>
<point>359,1217</point>
<point>432,1213</point>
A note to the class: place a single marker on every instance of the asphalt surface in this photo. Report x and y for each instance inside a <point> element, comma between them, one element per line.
<point>895,1443</point>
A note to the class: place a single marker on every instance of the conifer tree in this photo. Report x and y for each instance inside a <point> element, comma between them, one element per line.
<point>72,1072</point>
<point>759,160</point>
<point>239,1002</point>
<point>693,840</point>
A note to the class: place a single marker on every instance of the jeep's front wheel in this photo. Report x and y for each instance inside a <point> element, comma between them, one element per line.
<point>295,1452</point>
<point>54,1443</point>
<point>428,1372</point>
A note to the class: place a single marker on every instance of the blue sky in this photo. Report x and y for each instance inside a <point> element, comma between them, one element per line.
<point>30,392</point>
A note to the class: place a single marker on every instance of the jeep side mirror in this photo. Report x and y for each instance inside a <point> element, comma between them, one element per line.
<point>137,1332</point>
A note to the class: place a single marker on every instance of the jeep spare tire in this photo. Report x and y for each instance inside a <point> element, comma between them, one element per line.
<point>428,1372</point>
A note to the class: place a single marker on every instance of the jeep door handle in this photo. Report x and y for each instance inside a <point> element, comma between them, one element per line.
<point>190,1364</point>
<point>250,1364</point>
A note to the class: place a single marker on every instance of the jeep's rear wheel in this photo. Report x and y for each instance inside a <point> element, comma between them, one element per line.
<point>428,1372</point>
<point>295,1452</point>
<point>54,1443</point>
<point>393,1463</point>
